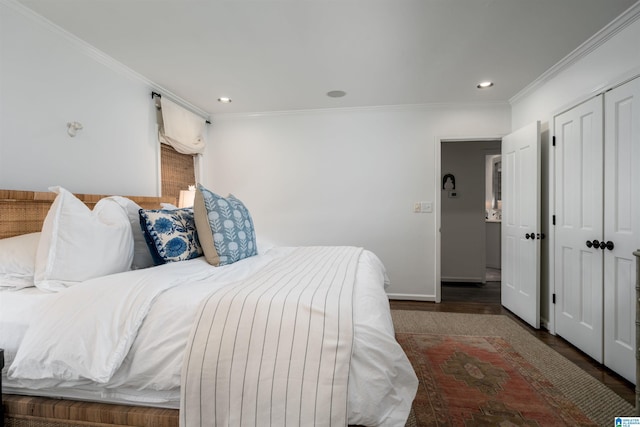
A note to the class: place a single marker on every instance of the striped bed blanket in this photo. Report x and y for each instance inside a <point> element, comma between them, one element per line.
<point>275,348</point>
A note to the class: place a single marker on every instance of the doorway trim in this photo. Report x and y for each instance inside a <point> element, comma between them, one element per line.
<point>439,140</point>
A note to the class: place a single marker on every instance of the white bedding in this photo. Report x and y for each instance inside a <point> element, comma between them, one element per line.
<point>276,346</point>
<point>136,357</point>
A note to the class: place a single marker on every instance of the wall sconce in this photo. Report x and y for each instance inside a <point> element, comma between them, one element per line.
<point>187,197</point>
<point>73,128</point>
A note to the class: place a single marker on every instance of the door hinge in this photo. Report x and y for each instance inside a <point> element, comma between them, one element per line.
<point>553,298</point>
<point>553,219</point>
<point>553,140</point>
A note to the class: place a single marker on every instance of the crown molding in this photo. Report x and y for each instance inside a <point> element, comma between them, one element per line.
<point>99,56</point>
<point>357,109</point>
<point>627,18</point>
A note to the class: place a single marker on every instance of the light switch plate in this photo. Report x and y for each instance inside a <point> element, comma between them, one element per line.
<point>423,207</point>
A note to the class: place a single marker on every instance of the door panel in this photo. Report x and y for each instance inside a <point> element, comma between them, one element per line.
<point>509,227</point>
<point>579,198</point>
<point>521,223</point>
<point>622,224</point>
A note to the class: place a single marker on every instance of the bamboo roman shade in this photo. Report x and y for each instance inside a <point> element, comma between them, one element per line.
<point>177,171</point>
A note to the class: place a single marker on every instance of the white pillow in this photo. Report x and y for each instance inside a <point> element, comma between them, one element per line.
<point>77,244</point>
<point>141,255</point>
<point>168,206</point>
<point>18,260</point>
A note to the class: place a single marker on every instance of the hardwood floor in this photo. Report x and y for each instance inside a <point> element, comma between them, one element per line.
<point>484,299</point>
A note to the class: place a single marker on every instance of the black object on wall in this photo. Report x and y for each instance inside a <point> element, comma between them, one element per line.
<point>449,182</point>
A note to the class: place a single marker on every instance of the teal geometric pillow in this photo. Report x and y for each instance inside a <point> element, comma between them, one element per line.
<point>170,234</point>
<point>225,228</point>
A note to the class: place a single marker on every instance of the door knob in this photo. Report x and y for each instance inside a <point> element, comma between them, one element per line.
<point>589,244</point>
<point>596,244</point>
<point>609,245</point>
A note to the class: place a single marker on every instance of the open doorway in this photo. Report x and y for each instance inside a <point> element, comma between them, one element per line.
<point>470,220</point>
<point>493,216</point>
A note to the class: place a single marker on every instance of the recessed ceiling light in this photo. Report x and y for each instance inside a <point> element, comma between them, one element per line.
<point>336,93</point>
<point>224,99</point>
<point>484,85</point>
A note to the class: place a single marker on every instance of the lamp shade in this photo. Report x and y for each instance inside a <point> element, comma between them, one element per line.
<point>186,198</point>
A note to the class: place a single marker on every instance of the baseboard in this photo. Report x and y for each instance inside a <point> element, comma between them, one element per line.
<point>412,297</point>
<point>544,323</point>
<point>463,279</point>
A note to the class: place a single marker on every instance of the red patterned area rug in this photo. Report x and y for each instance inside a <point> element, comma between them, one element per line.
<point>485,370</point>
<point>482,381</point>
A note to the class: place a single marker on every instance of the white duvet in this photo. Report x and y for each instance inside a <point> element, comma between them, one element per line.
<point>123,335</point>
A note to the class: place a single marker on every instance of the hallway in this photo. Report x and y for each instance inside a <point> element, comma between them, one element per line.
<point>488,293</point>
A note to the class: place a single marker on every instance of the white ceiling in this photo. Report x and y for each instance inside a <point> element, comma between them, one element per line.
<point>275,55</point>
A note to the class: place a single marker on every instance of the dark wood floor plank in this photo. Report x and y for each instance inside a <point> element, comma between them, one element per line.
<point>458,298</point>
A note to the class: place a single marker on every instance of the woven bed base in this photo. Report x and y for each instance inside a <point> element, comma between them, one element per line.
<point>33,422</point>
<point>25,411</point>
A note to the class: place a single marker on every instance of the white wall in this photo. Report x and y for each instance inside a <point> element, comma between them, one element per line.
<point>616,59</point>
<point>609,63</point>
<point>48,79</point>
<point>318,177</point>
<point>347,177</point>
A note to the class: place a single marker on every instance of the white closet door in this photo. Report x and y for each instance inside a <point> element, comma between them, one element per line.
<point>621,225</point>
<point>578,210</point>
<point>520,289</point>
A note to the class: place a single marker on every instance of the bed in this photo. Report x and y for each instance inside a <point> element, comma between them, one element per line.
<point>167,320</point>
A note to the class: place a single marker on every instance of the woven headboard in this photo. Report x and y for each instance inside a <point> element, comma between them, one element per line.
<point>24,212</point>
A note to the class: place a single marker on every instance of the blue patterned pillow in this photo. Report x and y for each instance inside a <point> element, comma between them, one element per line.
<point>170,234</point>
<point>225,228</point>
